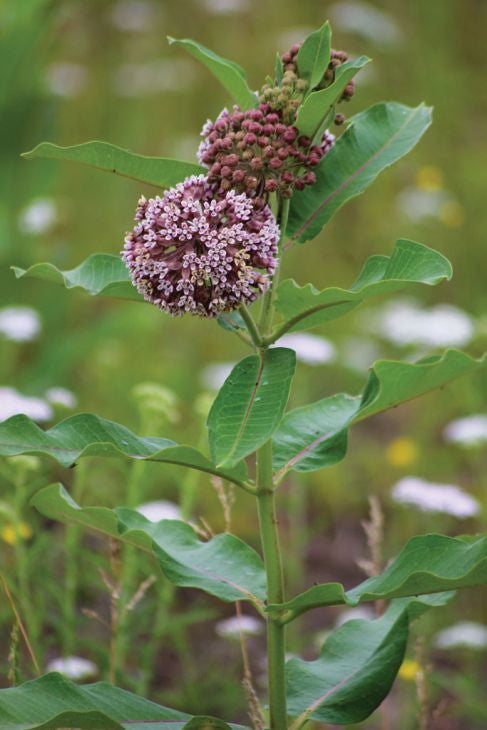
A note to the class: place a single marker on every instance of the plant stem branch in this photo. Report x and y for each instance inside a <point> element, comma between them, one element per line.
<point>251,326</point>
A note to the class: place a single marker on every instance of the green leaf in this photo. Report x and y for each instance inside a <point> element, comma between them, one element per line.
<point>427,564</point>
<point>314,55</point>
<point>374,140</point>
<point>224,566</point>
<point>315,436</point>
<point>52,702</point>
<point>278,69</point>
<point>158,171</point>
<point>88,435</point>
<point>318,104</point>
<point>229,74</point>
<point>410,263</point>
<point>356,667</point>
<point>100,275</point>
<point>250,405</point>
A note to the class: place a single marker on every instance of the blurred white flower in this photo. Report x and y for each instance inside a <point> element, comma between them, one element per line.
<point>73,667</point>
<point>13,402</point>
<point>39,216</point>
<point>230,628</point>
<point>358,353</point>
<point>20,324</point>
<point>144,79</point>
<point>135,16</point>
<point>404,322</point>
<point>468,431</point>
<point>61,397</point>
<point>225,7</point>
<point>431,497</point>
<point>213,376</point>
<point>66,79</point>
<point>417,204</point>
<point>310,349</point>
<point>160,510</point>
<point>366,20</point>
<point>293,35</point>
<point>464,633</point>
<point>362,612</point>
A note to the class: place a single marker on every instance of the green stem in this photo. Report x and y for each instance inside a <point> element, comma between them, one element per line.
<point>267,311</point>
<point>251,326</point>
<point>276,647</point>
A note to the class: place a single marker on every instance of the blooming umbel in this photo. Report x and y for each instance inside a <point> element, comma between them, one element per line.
<point>257,153</point>
<point>195,251</point>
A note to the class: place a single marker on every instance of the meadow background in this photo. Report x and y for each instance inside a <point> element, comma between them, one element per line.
<point>71,71</point>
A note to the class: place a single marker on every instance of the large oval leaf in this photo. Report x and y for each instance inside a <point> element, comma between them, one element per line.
<point>88,435</point>
<point>410,263</point>
<point>224,566</point>
<point>53,702</point>
<point>101,274</point>
<point>249,406</point>
<point>159,171</point>
<point>228,73</point>
<point>427,564</point>
<point>356,668</point>
<point>375,139</point>
<point>315,436</point>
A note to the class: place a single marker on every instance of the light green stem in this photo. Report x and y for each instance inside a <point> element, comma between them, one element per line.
<point>276,646</point>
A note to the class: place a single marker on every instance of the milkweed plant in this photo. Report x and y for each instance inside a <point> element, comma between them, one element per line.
<point>272,169</point>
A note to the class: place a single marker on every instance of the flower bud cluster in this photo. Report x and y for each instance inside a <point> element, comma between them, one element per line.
<point>193,251</point>
<point>256,152</point>
<point>288,95</point>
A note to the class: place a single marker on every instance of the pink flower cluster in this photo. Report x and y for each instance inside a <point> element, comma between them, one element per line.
<point>257,153</point>
<point>193,251</point>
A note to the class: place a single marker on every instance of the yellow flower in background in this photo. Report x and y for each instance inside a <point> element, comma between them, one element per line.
<point>409,670</point>
<point>11,533</point>
<point>402,452</point>
<point>452,214</point>
<point>429,177</point>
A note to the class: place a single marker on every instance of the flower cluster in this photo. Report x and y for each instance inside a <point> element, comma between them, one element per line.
<point>257,153</point>
<point>288,94</point>
<point>193,251</point>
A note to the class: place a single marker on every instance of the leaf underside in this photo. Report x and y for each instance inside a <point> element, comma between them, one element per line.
<point>315,436</point>
<point>159,171</point>
<point>224,566</point>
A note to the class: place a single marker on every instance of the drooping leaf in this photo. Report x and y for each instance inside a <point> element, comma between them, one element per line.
<point>315,436</point>
<point>159,171</point>
<point>229,74</point>
<point>356,667</point>
<point>374,140</point>
<point>250,404</point>
<point>231,321</point>
<point>53,701</point>
<point>427,564</point>
<point>88,435</point>
<point>410,263</point>
<point>101,274</point>
<point>314,55</point>
<point>224,566</point>
<point>318,104</point>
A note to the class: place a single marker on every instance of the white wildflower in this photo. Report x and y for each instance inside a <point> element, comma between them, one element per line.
<point>73,667</point>
<point>468,431</point>
<point>134,16</point>
<point>214,375</point>
<point>225,7</point>
<point>39,216</point>
<point>160,510</point>
<point>310,349</point>
<point>12,402</point>
<point>61,397</point>
<point>20,324</point>
<point>464,633</point>
<point>358,353</point>
<point>230,628</point>
<point>366,20</point>
<point>431,497</point>
<point>403,322</point>
<point>66,79</point>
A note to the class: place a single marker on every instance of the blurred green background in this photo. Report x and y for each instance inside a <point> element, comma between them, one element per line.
<point>95,69</point>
